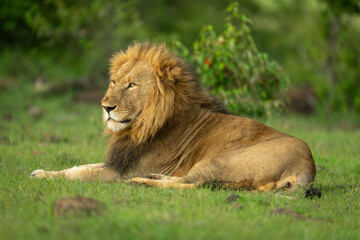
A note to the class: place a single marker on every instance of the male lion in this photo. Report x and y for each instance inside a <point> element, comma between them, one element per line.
<point>166,130</point>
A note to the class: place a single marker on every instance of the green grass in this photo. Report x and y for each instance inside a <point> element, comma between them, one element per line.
<point>69,133</point>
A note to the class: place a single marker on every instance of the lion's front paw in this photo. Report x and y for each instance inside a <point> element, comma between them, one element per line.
<point>139,180</point>
<point>163,181</point>
<point>150,178</point>
<point>39,173</point>
<point>156,176</point>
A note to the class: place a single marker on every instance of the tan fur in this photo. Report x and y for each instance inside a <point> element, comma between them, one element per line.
<point>167,131</point>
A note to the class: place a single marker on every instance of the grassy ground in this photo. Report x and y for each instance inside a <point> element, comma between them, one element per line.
<point>69,133</point>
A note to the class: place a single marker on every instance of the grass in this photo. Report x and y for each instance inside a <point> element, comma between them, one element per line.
<point>69,133</point>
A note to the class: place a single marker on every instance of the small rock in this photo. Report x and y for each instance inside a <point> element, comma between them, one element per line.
<point>40,84</point>
<point>78,206</point>
<point>35,112</point>
<point>232,198</point>
<point>39,153</point>
<point>7,116</point>
<point>93,96</point>
<point>237,206</point>
<point>283,211</point>
<point>302,100</point>
<point>312,192</point>
<point>53,138</point>
<point>291,213</point>
<point>4,140</point>
<point>320,167</point>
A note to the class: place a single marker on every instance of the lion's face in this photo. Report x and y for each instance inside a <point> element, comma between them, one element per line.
<point>127,94</point>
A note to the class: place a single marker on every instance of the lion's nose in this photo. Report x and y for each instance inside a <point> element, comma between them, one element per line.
<point>109,108</point>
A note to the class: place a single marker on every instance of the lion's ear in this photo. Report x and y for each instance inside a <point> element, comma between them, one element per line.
<point>174,72</point>
<point>116,61</point>
<point>170,74</point>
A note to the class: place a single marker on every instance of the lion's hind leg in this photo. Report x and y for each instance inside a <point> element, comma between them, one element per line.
<point>163,181</point>
<point>266,187</point>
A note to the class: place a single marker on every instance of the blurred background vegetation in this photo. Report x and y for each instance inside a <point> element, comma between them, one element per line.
<point>256,55</point>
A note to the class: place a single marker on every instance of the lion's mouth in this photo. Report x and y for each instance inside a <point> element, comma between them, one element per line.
<point>124,121</point>
<point>108,117</point>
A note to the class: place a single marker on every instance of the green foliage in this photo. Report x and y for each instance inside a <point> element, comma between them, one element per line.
<point>305,37</point>
<point>347,88</point>
<point>343,60</point>
<point>232,67</point>
<point>64,23</point>
<point>343,6</point>
<point>66,40</point>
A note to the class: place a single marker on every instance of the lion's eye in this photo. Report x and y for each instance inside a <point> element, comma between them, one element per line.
<point>112,83</point>
<point>131,85</point>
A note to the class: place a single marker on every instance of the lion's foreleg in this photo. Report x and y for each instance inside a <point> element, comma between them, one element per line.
<point>162,181</point>
<point>93,165</point>
<point>87,172</point>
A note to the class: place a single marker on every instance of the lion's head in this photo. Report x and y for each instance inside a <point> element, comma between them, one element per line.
<point>148,85</point>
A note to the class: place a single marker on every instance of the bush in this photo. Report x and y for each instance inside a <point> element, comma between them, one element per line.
<point>232,67</point>
<point>71,37</point>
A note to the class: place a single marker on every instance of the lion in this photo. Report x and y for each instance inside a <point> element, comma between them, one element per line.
<point>166,130</point>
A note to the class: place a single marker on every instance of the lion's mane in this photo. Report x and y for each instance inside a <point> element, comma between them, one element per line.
<point>178,91</point>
